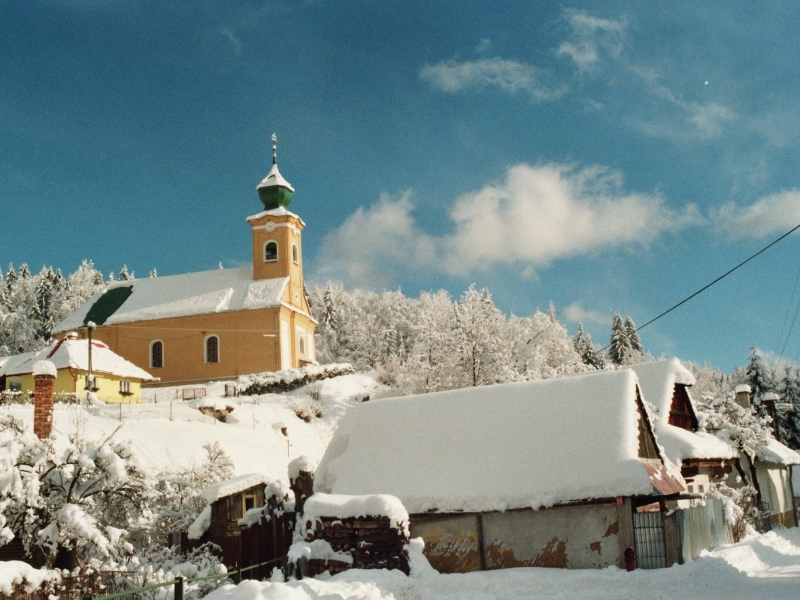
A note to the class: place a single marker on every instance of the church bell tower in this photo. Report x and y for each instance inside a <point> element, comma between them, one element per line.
<point>277,243</point>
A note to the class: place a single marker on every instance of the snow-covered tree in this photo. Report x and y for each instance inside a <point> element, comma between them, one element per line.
<point>177,498</point>
<point>124,275</point>
<point>584,346</point>
<point>758,377</point>
<point>789,418</point>
<point>481,350</point>
<point>64,495</point>
<point>430,364</point>
<point>637,350</point>
<point>625,347</point>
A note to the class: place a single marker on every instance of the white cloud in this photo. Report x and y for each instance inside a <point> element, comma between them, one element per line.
<point>535,215</point>
<point>575,313</point>
<point>776,213</point>
<point>236,43</point>
<point>508,75</point>
<point>375,245</point>
<point>542,213</point>
<point>686,119</point>
<point>592,36</point>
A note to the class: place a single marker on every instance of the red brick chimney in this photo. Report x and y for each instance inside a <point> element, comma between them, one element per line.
<point>44,378</point>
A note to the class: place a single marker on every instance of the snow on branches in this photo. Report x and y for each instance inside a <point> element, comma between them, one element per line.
<point>63,494</point>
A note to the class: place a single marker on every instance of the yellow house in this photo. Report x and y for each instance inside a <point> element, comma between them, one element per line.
<point>215,324</point>
<point>116,379</point>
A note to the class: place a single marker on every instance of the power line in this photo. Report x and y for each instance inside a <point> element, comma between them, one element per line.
<point>720,278</point>
<point>786,318</point>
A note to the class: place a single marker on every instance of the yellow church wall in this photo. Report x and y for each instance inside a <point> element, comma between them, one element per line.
<point>249,342</point>
<point>70,382</point>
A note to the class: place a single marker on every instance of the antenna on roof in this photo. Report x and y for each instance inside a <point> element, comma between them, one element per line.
<point>274,149</point>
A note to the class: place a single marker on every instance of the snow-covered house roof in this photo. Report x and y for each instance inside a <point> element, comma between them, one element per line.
<point>233,486</point>
<point>205,292</point>
<point>74,353</point>
<point>517,445</point>
<point>776,452</point>
<point>657,381</point>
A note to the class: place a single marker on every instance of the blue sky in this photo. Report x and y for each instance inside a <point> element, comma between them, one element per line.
<point>603,155</point>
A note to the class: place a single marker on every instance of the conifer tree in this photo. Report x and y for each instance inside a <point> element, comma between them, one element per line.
<point>758,378</point>
<point>585,349</point>
<point>124,275</point>
<point>637,351</point>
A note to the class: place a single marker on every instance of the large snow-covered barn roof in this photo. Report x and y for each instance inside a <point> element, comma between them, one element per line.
<point>73,353</point>
<point>657,382</point>
<point>205,292</point>
<point>517,445</point>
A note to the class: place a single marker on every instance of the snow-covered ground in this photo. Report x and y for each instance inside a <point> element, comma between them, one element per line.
<point>762,566</point>
<point>169,433</point>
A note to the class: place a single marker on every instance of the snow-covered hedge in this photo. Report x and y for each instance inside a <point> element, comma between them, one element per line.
<point>289,379</point>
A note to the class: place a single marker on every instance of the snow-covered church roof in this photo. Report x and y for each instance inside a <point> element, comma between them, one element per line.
<point>205,292</point>
<point>74,353</point>
<point>657,382</point>
<point>530,444</point>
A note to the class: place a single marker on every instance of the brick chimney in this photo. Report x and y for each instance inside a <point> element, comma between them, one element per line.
<point>44,379</point>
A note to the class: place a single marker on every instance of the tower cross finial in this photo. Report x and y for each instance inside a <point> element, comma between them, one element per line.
<point>274,149</point>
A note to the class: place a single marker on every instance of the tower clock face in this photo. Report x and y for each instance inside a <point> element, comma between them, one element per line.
<point>270,226</point>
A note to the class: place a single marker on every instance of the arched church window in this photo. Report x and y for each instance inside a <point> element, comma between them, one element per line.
<point>302,345</point>
<point>212,349</point>
<point>156,354</point>
<point>271,252</point>
<point>295,253</point>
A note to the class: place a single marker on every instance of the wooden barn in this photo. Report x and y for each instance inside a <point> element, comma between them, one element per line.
<point>555,473</point>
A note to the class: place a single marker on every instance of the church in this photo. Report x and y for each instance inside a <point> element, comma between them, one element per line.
<point>215,324</point>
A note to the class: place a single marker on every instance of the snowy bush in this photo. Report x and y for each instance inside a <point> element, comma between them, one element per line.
<point>68,496</point>
<point>739,505</point>
<point>307,408</point>
<point>161,565</point>
<point>289,379</point>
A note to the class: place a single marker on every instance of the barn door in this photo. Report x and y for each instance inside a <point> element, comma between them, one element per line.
<point>649,540</point>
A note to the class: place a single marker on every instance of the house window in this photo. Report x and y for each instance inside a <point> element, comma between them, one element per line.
<point>295,256</point>
<point>249,501</point>
<point>212,349</point>
<point>125,387</point>
<point>15,385</point>
<point>156,354</point>
<point>271,252</point>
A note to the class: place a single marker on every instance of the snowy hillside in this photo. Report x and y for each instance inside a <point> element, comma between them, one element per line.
<point>169,433</point>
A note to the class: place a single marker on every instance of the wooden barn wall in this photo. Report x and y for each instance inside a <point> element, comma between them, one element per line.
<point>576,537</point>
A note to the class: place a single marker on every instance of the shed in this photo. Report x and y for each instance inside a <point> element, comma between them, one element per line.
<point>703,457</point>
<point>543,473</point>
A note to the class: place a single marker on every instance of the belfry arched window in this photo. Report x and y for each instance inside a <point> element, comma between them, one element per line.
<point>271,251</point>
<point>295,254</point>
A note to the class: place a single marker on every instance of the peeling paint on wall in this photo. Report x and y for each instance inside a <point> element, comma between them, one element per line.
<point>451,544</point>
<point>554,555</point>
